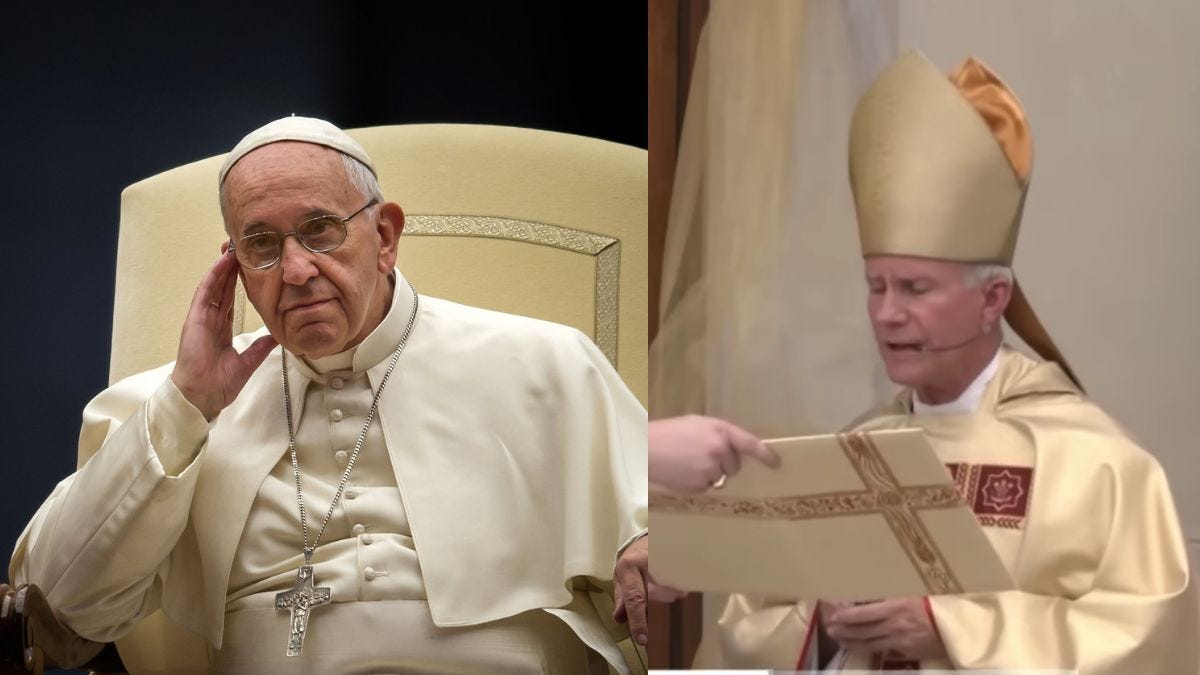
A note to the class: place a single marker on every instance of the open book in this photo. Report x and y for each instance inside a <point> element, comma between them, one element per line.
<point>857,516</point>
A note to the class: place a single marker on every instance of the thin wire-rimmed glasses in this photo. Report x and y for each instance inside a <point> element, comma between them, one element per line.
<point>322,234</point>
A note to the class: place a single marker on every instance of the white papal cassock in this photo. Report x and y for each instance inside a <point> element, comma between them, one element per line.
<point>504,471</point>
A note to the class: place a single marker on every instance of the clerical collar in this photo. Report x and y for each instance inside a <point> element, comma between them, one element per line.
<point>379,344</point>
<point>968,401</point>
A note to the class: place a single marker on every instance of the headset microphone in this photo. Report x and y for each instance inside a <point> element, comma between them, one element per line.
<point>952,347</point>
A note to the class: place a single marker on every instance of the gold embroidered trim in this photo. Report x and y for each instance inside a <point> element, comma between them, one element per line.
<point>543,234</point>
<point>972,471</point>
<point>1006,522</point>
<point>805,507</point>
<point>606,251</point>
<point>239,307</point>
<point>884,495</point>
<point>911,533</point>
<point>608,268</point>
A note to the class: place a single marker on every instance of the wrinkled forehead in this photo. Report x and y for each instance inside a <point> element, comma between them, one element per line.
<point>286,160</point>
<point>901,267</point>
<point>286,167</point>
<point>285,180</point>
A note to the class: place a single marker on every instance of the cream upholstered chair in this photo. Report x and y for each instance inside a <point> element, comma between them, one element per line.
<point>530,222</point>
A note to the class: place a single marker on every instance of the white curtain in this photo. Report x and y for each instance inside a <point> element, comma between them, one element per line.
<point>763,305</point>
<point>763,317</point>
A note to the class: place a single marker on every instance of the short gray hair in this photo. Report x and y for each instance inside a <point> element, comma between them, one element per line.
<point>978,274</point>
<point>361,178</point>
<point>357,173</point>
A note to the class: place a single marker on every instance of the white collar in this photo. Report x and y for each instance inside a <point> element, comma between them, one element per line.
<point>380,343</point>
<point>968,401</point>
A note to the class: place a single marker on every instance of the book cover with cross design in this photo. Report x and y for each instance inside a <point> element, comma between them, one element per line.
<point>851,517</point>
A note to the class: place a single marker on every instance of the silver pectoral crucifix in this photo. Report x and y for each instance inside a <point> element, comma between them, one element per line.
<point>301,600</point>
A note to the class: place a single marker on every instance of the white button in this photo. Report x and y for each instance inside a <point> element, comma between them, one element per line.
<point>336,382</point>
<point>336,415</point>
<point>341,456</point>
<point>368,539</point>
<point>358,529</point>
<point>369,573</point>
<point>351,493</point>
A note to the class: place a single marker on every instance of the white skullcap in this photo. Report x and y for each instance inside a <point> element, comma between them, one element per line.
<point>304,129</point>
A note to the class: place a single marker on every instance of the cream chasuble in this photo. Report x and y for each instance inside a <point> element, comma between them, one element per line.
<point>505,468</point>
<point>1082,518</point>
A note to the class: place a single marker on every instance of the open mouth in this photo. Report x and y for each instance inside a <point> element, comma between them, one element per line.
<point>901,347</point>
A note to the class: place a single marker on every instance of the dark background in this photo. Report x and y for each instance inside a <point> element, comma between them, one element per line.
<point>100,95</point>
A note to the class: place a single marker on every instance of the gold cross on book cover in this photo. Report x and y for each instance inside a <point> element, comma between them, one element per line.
<point>857,516</point>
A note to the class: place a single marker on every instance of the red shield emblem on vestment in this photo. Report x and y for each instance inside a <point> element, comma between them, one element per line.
<point>999,495</point>
<point>1003,491</point>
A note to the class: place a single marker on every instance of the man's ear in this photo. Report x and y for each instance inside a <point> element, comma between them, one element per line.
<point>389,226</point>
<point>997,292</point>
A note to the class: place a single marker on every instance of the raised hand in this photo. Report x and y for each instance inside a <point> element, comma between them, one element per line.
<point>208,370</point>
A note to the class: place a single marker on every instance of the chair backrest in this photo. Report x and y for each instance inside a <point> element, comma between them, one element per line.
<point>529,222</point>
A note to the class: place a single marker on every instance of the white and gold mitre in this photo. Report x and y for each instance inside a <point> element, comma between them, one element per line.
<point>939,166</point>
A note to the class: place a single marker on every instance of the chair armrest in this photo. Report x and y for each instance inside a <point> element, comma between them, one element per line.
<point>31,637</point>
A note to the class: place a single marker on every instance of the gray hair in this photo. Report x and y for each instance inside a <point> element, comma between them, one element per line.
<point>978,274</point>
<point>357,173</point>
<point>361,178</point>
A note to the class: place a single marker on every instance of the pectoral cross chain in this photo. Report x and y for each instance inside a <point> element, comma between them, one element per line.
<point>302,599</point>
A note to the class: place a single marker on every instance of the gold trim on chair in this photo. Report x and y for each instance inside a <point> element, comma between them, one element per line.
<point>606,251</point>
<point>239,307</point>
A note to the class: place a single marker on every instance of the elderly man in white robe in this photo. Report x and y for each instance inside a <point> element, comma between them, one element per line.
<point>406,485</point>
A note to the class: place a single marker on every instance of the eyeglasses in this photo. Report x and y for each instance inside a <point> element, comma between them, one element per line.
<point>322,234</point>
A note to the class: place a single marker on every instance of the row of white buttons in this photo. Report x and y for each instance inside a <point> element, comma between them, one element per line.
<point>342,457</point>
<point>369,573</point>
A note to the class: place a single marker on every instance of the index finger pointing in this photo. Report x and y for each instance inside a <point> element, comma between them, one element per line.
<point>747,443</point>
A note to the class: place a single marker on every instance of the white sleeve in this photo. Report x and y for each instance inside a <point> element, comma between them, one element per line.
<point>99,543</point>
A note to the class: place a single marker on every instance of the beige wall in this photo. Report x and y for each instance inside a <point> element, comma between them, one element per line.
<point>1108,247</point>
